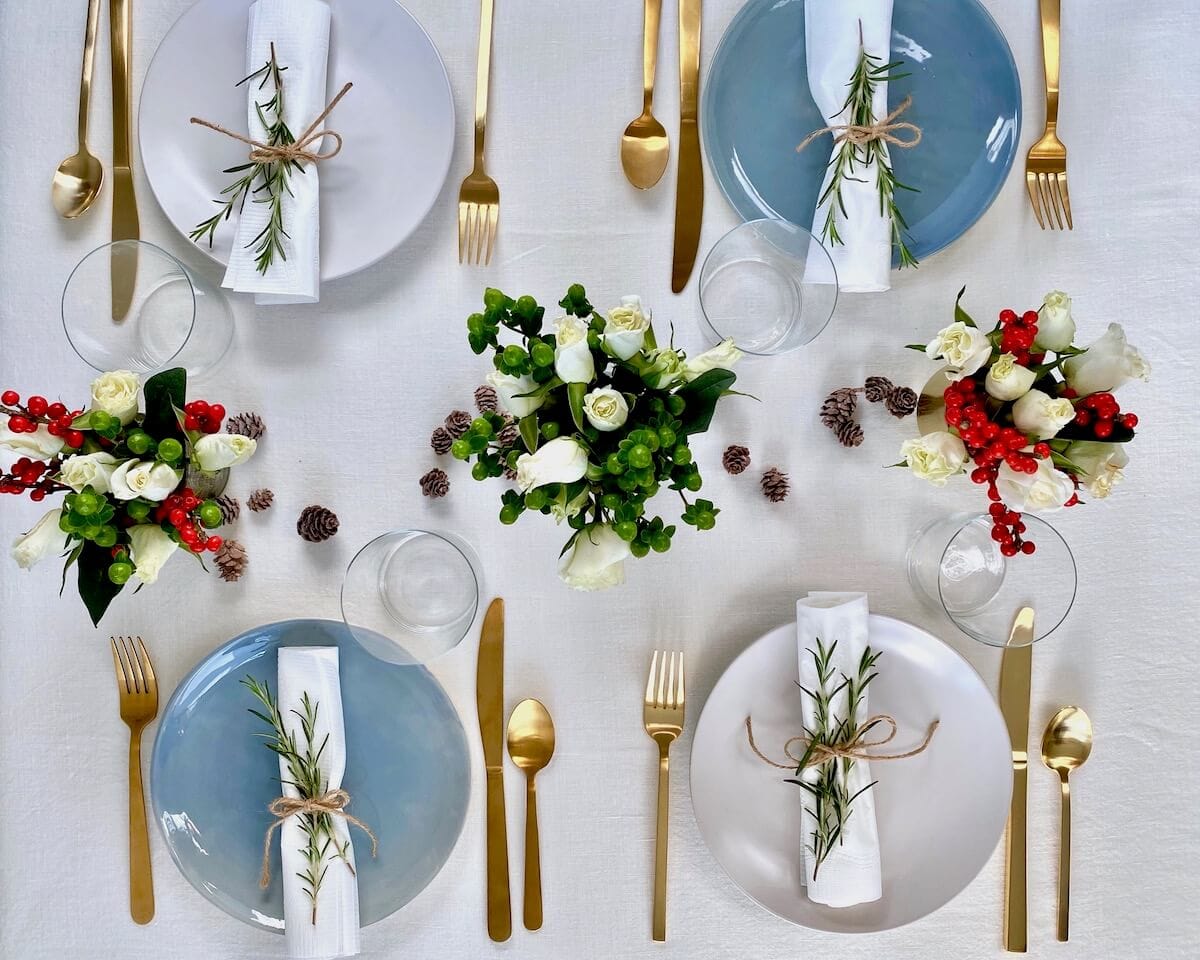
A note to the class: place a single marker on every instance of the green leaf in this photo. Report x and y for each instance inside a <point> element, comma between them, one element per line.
<point>960,314</point>
<point>919,347</point>
<point>96,590</point>
<point>164,393</point>
<point>71,558</point>
<point>701,396</point>
<point>575,394</point>
<point>529,431</point>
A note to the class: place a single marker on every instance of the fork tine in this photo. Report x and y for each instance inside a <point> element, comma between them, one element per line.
<point>462,229</point>
<point>493,217</point>
<point>147,668</point>
<point>651,684</point>
<point>1061,179</point>
<point>680,695</point>
<point>1034,199</point>
<point>118,664</point>
<point>669,700</point>
<point>480,230</point>
<point>135,668</point>
<point>1051,189</point>
<point>661,695</point>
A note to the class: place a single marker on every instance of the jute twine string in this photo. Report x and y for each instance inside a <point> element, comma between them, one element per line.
<point>885,130</point>
<point>332,803</point>
<point>854,747</point>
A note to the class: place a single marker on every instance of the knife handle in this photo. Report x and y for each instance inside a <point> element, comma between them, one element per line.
<point>499,907</point>
<point>120,33</point>
<point>1015,933</point>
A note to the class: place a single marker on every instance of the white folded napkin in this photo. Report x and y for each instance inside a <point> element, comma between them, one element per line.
<point>300,31</point>
<point>864,260</point>
<point>851,873</point>
<point>314,670</point>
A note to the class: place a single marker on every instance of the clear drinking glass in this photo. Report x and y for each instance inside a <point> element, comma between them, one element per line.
<point>175,318</point>
<point>955,566</point>
<point>769,285</point>
<point>411,595</point>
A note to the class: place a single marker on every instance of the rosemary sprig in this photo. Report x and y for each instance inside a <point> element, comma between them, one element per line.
<point>304,771</point>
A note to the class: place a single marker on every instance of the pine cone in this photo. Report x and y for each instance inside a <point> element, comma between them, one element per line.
<point>775,485</point>
<point>901,402</point>
<point>441,441</point>
<point>317,523</point>
<point>839,406</point>
<point>247,424</point>
<point>510,474</point>
<point>849,433</point>
<point>878,388</point>
<point>231,561</point>
<point>486,400</point>
<point>736,459</point>
<point>435,483</point>
<point>230,508</point>
<point>458,423</point>
<point>260,500</point>
<point>509,435</point>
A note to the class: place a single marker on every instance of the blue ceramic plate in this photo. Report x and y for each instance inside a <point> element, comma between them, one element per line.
<point>407,772</point>
<point>966,99</point>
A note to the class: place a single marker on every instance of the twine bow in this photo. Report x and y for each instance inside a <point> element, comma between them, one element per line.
<point>333,803</point>
<point>296,151</point>
<point>885,130</point>
<point>854,747</point>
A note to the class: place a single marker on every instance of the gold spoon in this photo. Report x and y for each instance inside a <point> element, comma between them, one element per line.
<point>531,745</point>
<point>1066,745</point>
<point>78,179</point>
<point>644,145</point>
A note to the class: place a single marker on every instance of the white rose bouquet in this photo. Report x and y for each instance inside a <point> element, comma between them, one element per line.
<point>604,415</point>
<point>126,509</point>
<point>1033,413</point>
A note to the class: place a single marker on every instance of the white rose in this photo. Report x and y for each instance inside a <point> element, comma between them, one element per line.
<point>1108,363</point>
<point>1039,415</point>
<point>721,357</point>
<point>1100,465</point>
<point>1056,326</point>
<point>509,390</point>
<point>149,548</point>
<point>625,328</point>
<point>606,409</point>
<point>216,451</point>
<point>90,469</point>
<point>44,539</point>
<point>965,349</point>
<point>39,445</point>
<point>935,457</point>
<point>1007,380</point>
<point>145,479</point>
<point>1046,490</point>
<point>595,561</point>
<point>663,370</point>
<point>573,361</point>
<point>116,393</point>
<point>562,460</point>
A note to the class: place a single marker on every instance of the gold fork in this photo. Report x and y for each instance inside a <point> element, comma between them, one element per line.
<point>1046,165</point>
<point>479,197</point>
<point>662,715</point>
<point>138,692</point>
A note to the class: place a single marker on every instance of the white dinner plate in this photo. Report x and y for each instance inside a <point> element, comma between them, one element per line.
<point>397,125</point>
<point>940,813</point>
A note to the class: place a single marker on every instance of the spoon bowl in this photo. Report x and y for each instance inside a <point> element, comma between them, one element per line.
<point>530,736</point>
<point>76,184</point>
<point>644,151</point>
<point>1067,742</point>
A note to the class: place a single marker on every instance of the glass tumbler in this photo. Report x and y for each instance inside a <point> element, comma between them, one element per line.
<point>768,285</point>
<point>955,566</point>
<point>173,317</point>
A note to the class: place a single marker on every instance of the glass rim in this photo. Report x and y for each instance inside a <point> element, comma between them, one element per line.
<point>155,248</point>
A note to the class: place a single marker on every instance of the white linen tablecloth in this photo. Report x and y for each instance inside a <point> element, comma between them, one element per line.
<point>352,387</point>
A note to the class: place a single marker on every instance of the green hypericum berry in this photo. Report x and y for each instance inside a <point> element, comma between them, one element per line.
<point>508,515</point>
<point>650,489</point>
<point>480,427</point>
<point>475,324</point>
<point>107,537</point>
<point>611,501</point>
<point>139,442</point>
<point>576,293</point>
<point>706,520</point>
<point>627,482</point>
<point>550,429</point>
<point>170,450</point>
<point>525,306</point>
<point>140,509</point>
<point>613,465</point>
<point>666,436</point>
<point>120,572</point>
<point>694,482</point>
<point>626,530</point>
<point>480,471</point>
<point>460,449</point>
<point>682,455</point>
<point>542,354</point>
<point>656,405</point>
<point>661,543</point>
<point>675,405</point>
<point>639,456</point>
<point>210,514</point>
<point>87,503</point>
<point>513,355</point>
<point>494,299</point>
<point>64,523</point>
<point>100,421</point>
<point>536,498</point>
<point>639,549</point>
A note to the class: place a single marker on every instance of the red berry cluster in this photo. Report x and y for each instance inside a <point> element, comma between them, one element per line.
<point>1019,333</point>
<point>1101,411</point>
<point>25,418</point>
<point>178,510</point>
<point>203,416</point>
<point>33,476</point>
<point>1007,528</point>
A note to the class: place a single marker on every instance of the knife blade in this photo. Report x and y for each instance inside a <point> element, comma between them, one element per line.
<point>124,212</point>
<point>489,698</point>
<point>1016,671</point>
<point>689,184</point>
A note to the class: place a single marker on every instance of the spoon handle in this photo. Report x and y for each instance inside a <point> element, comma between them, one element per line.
<point>1064,862</point>
<point>533,860</point>
<point>650,51</point>
<point>89,59</point>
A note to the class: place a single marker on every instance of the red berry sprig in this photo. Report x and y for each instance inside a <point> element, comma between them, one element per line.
<point>38,411</point>
<point>182,511</point>
<point>1019,334</point>
<point>202,416</point>
<point>34,477</point>
<point>1101,412</point>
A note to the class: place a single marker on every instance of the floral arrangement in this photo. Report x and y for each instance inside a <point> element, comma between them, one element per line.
<point>1034,413</point>
<point>594,419</point>
<point>127,508</point>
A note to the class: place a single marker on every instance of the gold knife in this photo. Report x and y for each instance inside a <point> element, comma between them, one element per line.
<point>489,698</point>
<point>124,211</point>
<point>1016,668</point>
<point>689,185</point>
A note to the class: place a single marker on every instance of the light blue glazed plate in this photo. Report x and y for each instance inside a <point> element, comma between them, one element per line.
<point>407,772</point>
<point>966,100</point>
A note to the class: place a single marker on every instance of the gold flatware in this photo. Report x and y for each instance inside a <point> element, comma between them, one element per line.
<point>1046,164</point>
<point>79,178</point>
<point>479,197</point>
<point>1066,745</point>
<point>489,698</point>
<point>689,186</point>
<point>644,145</point>
<point>662,715</point>
<point>137,690</point>
<point>1016,670</point>
<point>531,745</point>
<point>124,215</point>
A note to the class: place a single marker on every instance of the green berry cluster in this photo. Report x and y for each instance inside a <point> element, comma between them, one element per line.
<point>88,515</point>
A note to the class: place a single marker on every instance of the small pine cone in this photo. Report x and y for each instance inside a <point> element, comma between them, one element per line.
<point>486,400</point>
<point>247,424</point>
<point>435,483</point>
<point>901,402</point>
<point>260,500</point>
<point>736,459</point>
<point>775,485</point>
<point>878,388</point>
<point>317,523</point>
<point>230,508</point>
<point>510,474</point>
<point>838,406</point>
<point>509,435</point>
<point>849,433</point>
<point>458,423</point>
<point>231,561</point>
<point>441,441</point>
